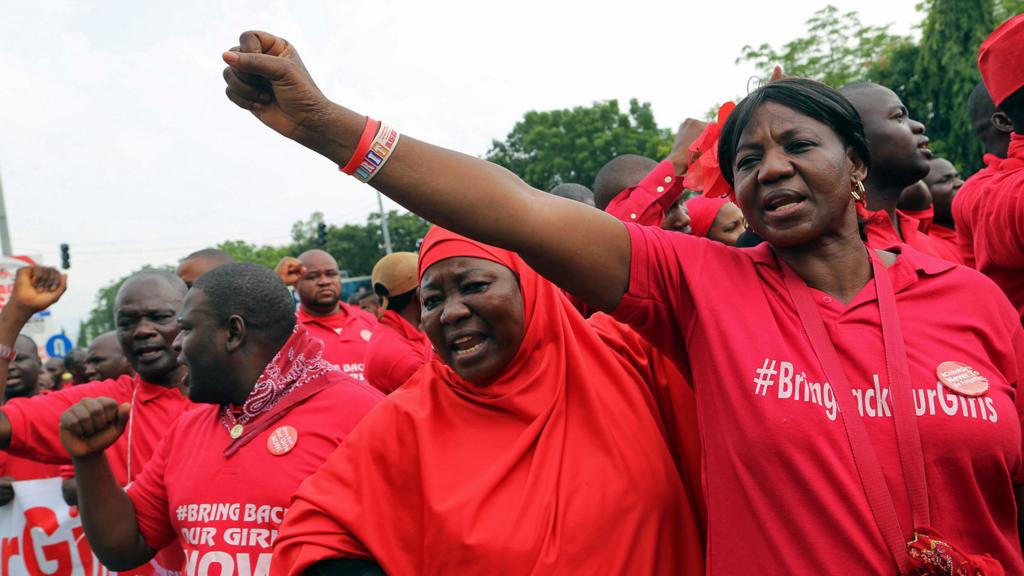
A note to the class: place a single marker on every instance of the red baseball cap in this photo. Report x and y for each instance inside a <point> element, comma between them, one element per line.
<point>1001,59</point>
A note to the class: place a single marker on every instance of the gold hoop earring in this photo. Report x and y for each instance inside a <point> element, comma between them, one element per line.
<point>857,191</point>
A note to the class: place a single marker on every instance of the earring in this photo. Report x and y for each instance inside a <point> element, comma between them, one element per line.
<point>857,190</point>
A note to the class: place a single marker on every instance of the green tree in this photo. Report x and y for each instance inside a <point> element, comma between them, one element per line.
<point>243,251</point>
<point>946,71</point>
<point>357,247</point>
<point>1006,8</point>
<point>570,145</point>
<point>101,317</point>
<point>837,50</point>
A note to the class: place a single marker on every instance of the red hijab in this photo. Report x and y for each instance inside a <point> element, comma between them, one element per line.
<point>558,465</point>
<point>702,213</point>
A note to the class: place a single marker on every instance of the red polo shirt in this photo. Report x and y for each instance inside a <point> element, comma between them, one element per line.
<point>35,421</point>
<point>26,469</point>
<point>345,335</point>
<point>647,202</point>
<point>944,236</point>
<point>989,215</point>
<point>882,234</point>
<point>225,510</point>
<point>396,350</point>
<point>781,485</point>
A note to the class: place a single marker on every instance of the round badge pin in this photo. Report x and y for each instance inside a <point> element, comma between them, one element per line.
<point>236,431</point>
<point>282,440</point>
<point>962,379</point>
<point>366,334</point>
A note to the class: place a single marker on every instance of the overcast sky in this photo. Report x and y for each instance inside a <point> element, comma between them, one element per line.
<point>116,137</point>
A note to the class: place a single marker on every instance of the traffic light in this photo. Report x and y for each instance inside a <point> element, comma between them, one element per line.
<point>321,234</point>
<point>65,256</point>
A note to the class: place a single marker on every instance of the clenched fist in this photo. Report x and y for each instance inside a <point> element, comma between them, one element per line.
<point>266,76</point>
<point>36,288</point>
<point>290,270</point>
<point>92,425</point>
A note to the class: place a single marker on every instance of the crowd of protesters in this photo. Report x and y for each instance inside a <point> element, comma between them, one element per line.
<point>792,346</point>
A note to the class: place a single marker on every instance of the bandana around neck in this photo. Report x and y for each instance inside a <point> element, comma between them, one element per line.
<point>298,363</point>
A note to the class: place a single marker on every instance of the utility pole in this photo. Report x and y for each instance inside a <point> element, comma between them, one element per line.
<point>383,224</point>
<point>5,235</point>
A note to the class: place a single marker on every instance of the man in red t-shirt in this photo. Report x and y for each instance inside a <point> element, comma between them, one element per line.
<point>106,359</point>
<point>398,347</point>
<point>22,382</point>
<point>344,329</point>
<point>272,411</point>
<point>145,312</point>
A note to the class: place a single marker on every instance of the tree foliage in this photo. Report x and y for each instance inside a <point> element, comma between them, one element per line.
<point>570,145</point>
<point>837,50</point>
<point>946,71</point>
<point>932,76</point>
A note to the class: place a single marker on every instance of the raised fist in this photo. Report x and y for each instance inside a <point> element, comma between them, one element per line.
<point>92,425</point>
<point>36,288</point>
<point>290,270</point>
<point>687,134</point>
<point>266,76</point>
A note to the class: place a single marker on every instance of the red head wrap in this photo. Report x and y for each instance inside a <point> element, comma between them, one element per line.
<point>1001,59</point>
<point>704,174</point>
<point>702,213</point>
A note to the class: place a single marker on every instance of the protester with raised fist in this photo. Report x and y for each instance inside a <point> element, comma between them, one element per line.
<point>271,409</point>
<point>527,436</point>
<point>810,309</point>
<point>145,313</point>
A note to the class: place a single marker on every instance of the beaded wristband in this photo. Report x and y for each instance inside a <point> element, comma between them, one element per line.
<point>369,131</point>
<point>377,155</point>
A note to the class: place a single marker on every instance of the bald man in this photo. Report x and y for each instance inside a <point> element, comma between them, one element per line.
<point>344,329</point>
<point>146,312</point>
<point>106,360</point>
<point>198,263</point>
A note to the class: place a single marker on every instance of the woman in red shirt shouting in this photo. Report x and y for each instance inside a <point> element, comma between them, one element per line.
<point>860,408</point>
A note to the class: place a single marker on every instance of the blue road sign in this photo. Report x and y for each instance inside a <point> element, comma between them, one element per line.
<point>58,346</point>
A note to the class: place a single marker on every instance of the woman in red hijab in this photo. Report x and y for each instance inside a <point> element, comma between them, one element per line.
<point>717,219</point>
<point>528,447</point>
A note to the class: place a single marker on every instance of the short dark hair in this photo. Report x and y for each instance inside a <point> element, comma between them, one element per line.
<point>399,302</point>
<point>1013,106</point>
<point>980,108</point>
<point>212,253</point>
<point>808,97</point>
<point>619,173</point>
<point>573,191</point>
<point>254,293</point>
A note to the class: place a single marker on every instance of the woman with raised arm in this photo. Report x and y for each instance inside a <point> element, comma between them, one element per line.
<point>860,409</point>
<point>526,447</point>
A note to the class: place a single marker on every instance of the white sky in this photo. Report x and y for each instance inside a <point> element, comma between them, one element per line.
<point>116,138</point>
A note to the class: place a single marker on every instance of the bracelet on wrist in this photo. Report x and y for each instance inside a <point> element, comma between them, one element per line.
<point>8,353</point>
<point>376,145</point>
<point>369,131</point>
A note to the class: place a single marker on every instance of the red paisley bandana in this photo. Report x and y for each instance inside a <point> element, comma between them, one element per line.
<point>299,364</point>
